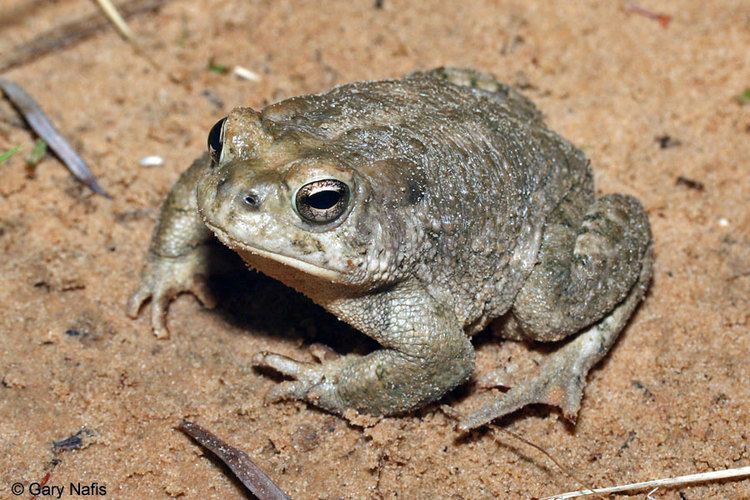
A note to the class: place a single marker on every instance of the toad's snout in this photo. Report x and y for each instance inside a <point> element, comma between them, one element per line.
<point>232,195</point>
<point>256,195</point>
<point>247,195</point>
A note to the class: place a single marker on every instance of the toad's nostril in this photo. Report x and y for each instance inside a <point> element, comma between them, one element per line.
<point>251,199</point>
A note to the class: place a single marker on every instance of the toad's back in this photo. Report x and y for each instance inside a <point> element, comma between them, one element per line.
<point>487,168</point>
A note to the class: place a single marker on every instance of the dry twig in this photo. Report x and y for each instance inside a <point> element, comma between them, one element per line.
<point>254,479</point>
<point>663,19</point>
<point>114,16</point>
<point>69,33</point>
<point>565,470</point>
<point>739,473</point>
<point>38,121</point>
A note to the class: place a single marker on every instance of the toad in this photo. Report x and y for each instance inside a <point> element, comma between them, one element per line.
<point>418,210</point>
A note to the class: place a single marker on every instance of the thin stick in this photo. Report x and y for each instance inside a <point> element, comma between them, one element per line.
<point>69,33</point>
<point>122,27</point>
<point>565,470</point>
<point>41,124</point>
<point>540,449</point>
<point>254,479</point>
<point>703,477</point>
<point>114,15</point>
<point>663,19</point>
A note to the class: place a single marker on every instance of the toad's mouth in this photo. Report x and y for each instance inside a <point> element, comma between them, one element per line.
<point>304,266</point>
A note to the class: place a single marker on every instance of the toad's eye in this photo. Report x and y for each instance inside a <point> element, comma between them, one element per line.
<point>216,139</point>
<point>323,201</point>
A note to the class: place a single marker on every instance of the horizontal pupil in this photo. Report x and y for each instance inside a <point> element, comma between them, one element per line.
<point>323,200</point>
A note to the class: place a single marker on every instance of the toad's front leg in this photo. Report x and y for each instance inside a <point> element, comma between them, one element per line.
<point>177,259</point>
<point>425,354</point>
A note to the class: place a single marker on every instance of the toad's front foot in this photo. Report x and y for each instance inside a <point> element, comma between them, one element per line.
<point>313,382</point>
<point>163,278</point>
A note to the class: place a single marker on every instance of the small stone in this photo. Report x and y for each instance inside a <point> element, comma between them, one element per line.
<point>152,161</point>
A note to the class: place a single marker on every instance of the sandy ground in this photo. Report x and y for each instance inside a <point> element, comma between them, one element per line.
<point>672,398</point>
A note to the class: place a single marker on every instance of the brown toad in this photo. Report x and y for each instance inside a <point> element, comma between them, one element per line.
<point>417,210</point>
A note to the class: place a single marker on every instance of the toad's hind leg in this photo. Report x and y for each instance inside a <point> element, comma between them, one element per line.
<point>591,279</point>
<point>562,377</point>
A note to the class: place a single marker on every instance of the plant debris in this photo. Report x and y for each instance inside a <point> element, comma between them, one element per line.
<point>8,154</point>
<point>151,161</point>
<point>41,124</point>
<point>38,152</point>
<point>214,67</point>
<point>254,479</point>
<point>125,32</point>
<point>246,74</point>
<point>666,141</point>
<point>73,442</point>
<point>663,19</point>
<point>565,470</point>
<point>689,183</point>
<point>117,20</point>
<point>69,33</point>
<point>743,98</point>
<point>739,473</point>
<point>212,98</point>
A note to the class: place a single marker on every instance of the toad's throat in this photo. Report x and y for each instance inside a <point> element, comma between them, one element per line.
<point>293,262</point>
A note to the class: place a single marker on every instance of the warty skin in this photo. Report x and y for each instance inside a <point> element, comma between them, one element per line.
<point>454,206</point>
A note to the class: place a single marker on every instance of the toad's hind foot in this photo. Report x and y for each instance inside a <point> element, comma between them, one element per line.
<point>562,377</point>
<point>560,383</point>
